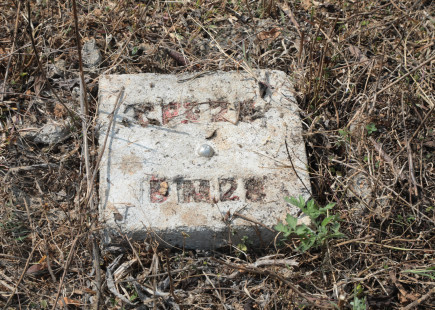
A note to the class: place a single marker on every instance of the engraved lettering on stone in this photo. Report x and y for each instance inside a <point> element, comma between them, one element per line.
<point>219,111</point>
<point>227,187</point>
<point>193,191</point>
<point>158,190</point>
<point>255,189</point>
<point>170,111</point>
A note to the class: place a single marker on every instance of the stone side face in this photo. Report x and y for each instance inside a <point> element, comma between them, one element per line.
<point>185,153</point>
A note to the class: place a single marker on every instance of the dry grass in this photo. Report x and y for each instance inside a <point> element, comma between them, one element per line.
<point>365,82</point>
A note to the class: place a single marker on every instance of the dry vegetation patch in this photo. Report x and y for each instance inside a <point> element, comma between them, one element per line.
<point>364,79</point>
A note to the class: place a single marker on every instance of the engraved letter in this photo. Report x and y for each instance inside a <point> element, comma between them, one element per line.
<point>227,187</point>
<point>254,189</point>
<point>193,191</point>
<point>158,190</point>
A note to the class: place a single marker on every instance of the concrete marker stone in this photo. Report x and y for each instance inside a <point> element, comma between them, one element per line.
<point>187,152</point>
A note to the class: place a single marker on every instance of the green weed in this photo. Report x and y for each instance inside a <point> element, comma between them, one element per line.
<point>358,303</point>
<point>371,128</point>
<point>428,272</point>
<point>344,136</point>
<point>243,245</point>
<point>322,231</point>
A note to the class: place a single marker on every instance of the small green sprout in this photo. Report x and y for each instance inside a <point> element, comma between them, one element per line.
<point>323,230</point>
<point>371,128</point>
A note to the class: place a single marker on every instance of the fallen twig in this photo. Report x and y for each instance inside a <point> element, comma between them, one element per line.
<point>293,167</point>
<point>84,107</point>
<point>22,274</point>
<point>416,131</point>
<point>111,282</point>
<point>412,179</point>
<point>252,220</point>
<point>405,75</point>
<point>171,282</point>
<point>12,52</point>
<point>420,300</point>
<point>324,304</point>
<point>103,148</point>
<point>65,269</point>
<point>386,157</point>
<point>38,62</point>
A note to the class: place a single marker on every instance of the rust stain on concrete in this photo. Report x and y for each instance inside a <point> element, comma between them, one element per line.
<point>191,218</point>
<point>131,164</point>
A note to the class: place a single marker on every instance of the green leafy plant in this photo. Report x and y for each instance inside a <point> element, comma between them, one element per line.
<point>358,303</point>
<point>12,225</point>
<point>325,226</point>
<point>134,296</point>
<point>371,128</point>
<point>243,245</point>
<point>344,136</point>
<point>134,50</point>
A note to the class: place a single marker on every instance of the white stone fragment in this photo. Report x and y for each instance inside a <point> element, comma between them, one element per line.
<point>50,134</point>
<point>91,54</point>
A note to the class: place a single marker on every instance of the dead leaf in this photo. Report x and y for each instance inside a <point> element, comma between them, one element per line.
<point>89,291</point>
<point>404,296</point>
<point>39,84</point>
<point>271,34</point>
<point>356,52</point>
<point>59,110</point>
<point>70,301</point>
<point>178,57</point>
<point>97,13</point>
<point>308,4</point>
<point>232,19</point>
<point>430,143</point>
<point>286,9</point>
<point>37,269</point>
<point>84,290</point>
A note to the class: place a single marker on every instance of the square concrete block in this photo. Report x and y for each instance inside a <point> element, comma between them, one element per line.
<point>199,160</point>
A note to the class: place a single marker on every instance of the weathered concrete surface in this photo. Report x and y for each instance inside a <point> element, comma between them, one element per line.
<point>153,179</point>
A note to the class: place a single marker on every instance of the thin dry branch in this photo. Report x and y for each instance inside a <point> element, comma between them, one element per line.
<point>417,302</point>
<point>11,53</point>
<point>65,269</point>
<point>323,304</point>
<point>38,62</point>
<point>111,117</point>
<point>405,75</point>
<point>84,107</point>
<point>22,275</point>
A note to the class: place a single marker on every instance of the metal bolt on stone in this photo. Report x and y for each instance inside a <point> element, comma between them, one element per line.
<point>205,150</point>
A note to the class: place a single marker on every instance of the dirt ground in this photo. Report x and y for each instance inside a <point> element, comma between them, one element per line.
<point>364,80</point>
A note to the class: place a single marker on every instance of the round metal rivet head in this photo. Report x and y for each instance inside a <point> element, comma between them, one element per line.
<point>205,150</point>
